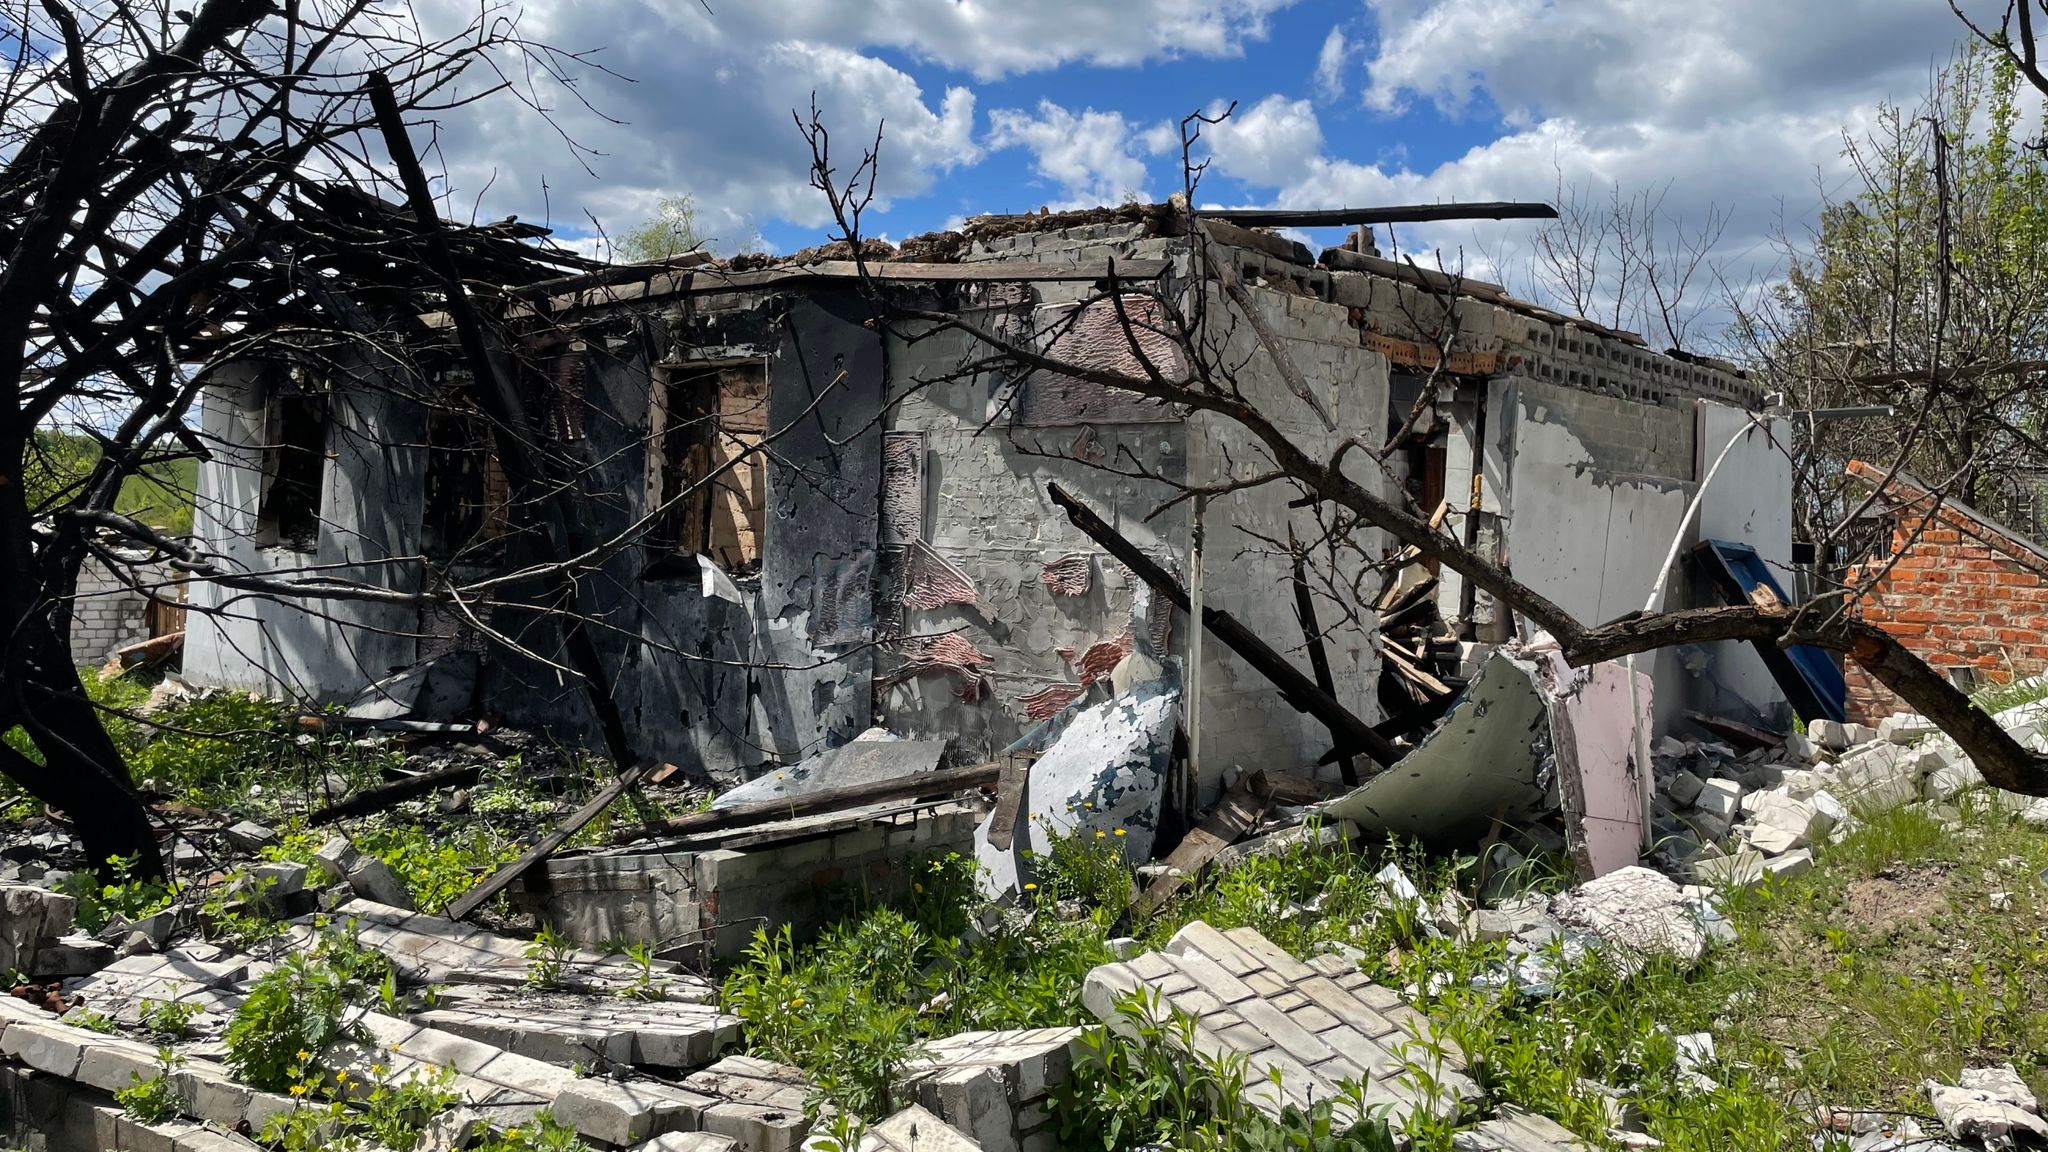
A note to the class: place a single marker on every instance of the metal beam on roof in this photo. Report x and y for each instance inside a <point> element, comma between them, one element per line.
<point>1391,214</point>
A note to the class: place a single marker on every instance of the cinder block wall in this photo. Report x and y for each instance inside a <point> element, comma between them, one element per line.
<point>105,615</point>
<point>1958,597</point>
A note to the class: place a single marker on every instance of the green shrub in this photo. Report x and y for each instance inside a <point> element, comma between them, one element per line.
<point>295,1012</point>
<point>127,897</point>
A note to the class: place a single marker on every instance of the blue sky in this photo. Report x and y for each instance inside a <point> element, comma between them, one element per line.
<point>1736,106</point>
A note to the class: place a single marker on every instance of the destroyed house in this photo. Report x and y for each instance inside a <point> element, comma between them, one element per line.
<point>893,555</point>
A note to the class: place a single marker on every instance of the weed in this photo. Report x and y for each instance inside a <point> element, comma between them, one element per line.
<point>126,897</point>
<point>92,1021</point>
<point>1079,865</point>
<point>644,986</point>
<point>545,1134</point>
<point>549,954</point>
<point>168,1020</point>
<point>295,1012</point>
<point>155,1100</point>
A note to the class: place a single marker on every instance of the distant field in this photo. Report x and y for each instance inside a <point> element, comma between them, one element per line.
<point>161,497</point>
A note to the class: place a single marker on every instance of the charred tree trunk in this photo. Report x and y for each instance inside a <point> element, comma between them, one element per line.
<point>82,774</point>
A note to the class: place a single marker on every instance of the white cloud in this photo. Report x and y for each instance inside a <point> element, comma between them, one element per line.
<point>685,100</point>
<point>1675,63</point>
<point>1331,63</point>
<point>1739,106</point>
<point>1087,156</point>
<point>994,38</point>
<point>1273,143</point>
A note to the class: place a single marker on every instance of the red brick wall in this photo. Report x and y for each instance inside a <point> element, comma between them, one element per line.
<point>1955,599</point>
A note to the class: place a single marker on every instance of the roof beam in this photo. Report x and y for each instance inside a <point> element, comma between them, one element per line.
<point>1391,214</point>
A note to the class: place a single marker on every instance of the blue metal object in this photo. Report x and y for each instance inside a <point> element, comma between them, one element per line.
<point>1807,674</point>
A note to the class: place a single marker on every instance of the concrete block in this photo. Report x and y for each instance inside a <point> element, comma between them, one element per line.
<point>373,879</point>
<point>627,1113</point>
<point>689,1142</point>
<point>1953,781</point>
<point>111,1063</point>
<point>1771,840</point>
<point>1741,870</point>
<point>1684,788</point>
<point>52,1048</point>
<point>1789,865</point>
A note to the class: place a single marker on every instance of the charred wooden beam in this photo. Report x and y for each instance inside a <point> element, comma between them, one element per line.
<point>1347,729</point>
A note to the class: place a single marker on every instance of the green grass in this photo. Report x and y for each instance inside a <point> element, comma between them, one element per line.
<point>161,495</point>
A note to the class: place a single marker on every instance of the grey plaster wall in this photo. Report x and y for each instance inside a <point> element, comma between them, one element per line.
<point>370,511</point>
<point>988,514</point>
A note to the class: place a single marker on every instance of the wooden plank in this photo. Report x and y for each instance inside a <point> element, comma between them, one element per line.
<point>945,782</point>
<point>481,894</point>
<point>1002,823</point>
<point>385,796</point>
<point>1238,813</point>
<point>1744,734</point>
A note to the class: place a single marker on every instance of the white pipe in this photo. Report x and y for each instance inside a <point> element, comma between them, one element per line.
<point>1191,707</point>
<point>1646,780</point>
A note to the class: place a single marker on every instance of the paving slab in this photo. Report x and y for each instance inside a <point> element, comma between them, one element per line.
<point>1513,1130</point>
<point>435,950</point>
<point>1304,1028</point>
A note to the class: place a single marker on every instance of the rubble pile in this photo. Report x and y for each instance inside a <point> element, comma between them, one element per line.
<point>1728,819</point>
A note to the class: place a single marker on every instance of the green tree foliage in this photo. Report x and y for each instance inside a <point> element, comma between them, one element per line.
<point>670,232</point>
<point>1864,315</point>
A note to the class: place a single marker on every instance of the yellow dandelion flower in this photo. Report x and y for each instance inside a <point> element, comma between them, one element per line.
<point>1031,887</point>
<point>797,1003</point>
<point>1099,833</point>
<point>298,1089</point>
<point>1119,831</point>
<point>305,1055</point>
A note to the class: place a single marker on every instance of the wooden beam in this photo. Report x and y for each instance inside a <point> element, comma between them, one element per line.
<point>940,783</point>
<point>1298,690</point>
<point>1238,813</point>
<point>1312,635</point>
<point>478,896</point>
<point>385,796</point>
<point>1002,823</point>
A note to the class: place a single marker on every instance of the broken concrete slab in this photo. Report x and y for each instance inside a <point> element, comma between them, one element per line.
<point>855,762</point>
<point>994,1086</point>
<point>627,1112</point>
<point>914,1129</point>
<point>30,916</point>
<point>1637,910</point>
<point>1515,1130</point>
<point>688,1142</point>
<point>570,1029</point>
<point>436,950</point>
<point>1301,1032</point>
<point>1103,769</point>
<point>757,1103</point>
